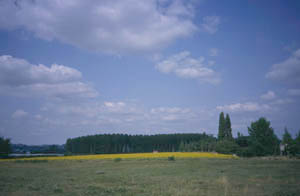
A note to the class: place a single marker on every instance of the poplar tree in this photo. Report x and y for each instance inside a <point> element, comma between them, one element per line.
<point>222,126</point>
<point>228,130</point>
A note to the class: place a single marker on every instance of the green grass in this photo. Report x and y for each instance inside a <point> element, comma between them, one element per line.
<point>151,177</point>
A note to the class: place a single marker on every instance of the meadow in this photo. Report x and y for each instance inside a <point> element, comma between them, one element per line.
<point>150,176</point>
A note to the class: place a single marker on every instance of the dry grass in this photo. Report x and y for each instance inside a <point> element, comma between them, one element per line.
<point>195,177</point>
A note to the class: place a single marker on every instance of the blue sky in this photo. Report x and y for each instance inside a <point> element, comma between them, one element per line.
<point>72,68</point>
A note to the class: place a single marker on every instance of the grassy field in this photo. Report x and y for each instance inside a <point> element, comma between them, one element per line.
<point>198,176</point>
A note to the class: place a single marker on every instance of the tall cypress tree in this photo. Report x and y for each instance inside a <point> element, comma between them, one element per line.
<point>221,134</point>
<point>228,130</point>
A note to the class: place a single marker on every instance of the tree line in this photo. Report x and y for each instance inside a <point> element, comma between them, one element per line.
<point>123,143</point>
<point>260,141</point>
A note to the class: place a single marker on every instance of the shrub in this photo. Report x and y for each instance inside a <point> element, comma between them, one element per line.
<point>117,159</point>
<point>245,152</point>
<point>172,158</point>
<point>226,147</point>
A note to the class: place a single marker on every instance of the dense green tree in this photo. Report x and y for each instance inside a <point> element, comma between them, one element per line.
<point>228,130</point>
<point>288,142</point>
<point>244,143</point>
<point>182,147</point>
<point>122,143</point>
<point>5,146</point>
<point>262,138</point>
<point>295,149</point>
<point>260,142</point>
<point>222,126</point>
<point>227,147</point>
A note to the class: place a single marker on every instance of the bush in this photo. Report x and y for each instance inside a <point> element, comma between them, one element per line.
<point>245,152</point>
<point>172,158</point>
<point>117,159</point>
<point>227,147</point>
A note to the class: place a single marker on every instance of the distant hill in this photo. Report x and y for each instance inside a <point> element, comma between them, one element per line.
<point>22,148</point>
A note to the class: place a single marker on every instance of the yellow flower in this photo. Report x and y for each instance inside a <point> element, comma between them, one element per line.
<point>134,156</point>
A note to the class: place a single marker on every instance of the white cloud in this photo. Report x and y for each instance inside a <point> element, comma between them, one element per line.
<point>16,72</point>
<point>114,104</point>
<point>118,114</point>
<point>211,63</point>
<point>185,66</point>
<point>19,77</point>
<point>96,110</point>
<point>282,101</point>
<point>294,92</point>
<point>268,95</point>
<point>210,24</point>
<point>213,52</point>
<point>172,110</point>
<point>171,114</point>
<point>38,117</point>
<point>109,26</point>
<point>119,107</point>
<point>287,71</point>
<point>19,114</point>
<point>244,107</point>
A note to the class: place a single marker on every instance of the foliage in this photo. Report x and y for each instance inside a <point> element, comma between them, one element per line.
<point>263,141</point>
<point>225,131</point>
<point>227,147</point>
<point>118,159</point>
<point>244,143</point>
<point>222,126</point>
<point>171,158</point>
<point>228,130</point>
<point>5,146</point>
<point>288,142</point>
<point>293,147</point>
<point>206,144</point>
<point>245,152</point>
<point>123,143</point>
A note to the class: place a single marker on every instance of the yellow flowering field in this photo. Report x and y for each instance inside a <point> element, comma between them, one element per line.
<point>133,156</point>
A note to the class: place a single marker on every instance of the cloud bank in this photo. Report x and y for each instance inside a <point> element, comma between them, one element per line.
<point>287,71</point>
<point>268,95</point>
<point>117,26</point>
<point>244,107</point>
<point>21,78</point>
<point>184,66</point>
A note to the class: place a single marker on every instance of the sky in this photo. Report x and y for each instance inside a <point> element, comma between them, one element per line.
<point>83,67</point>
